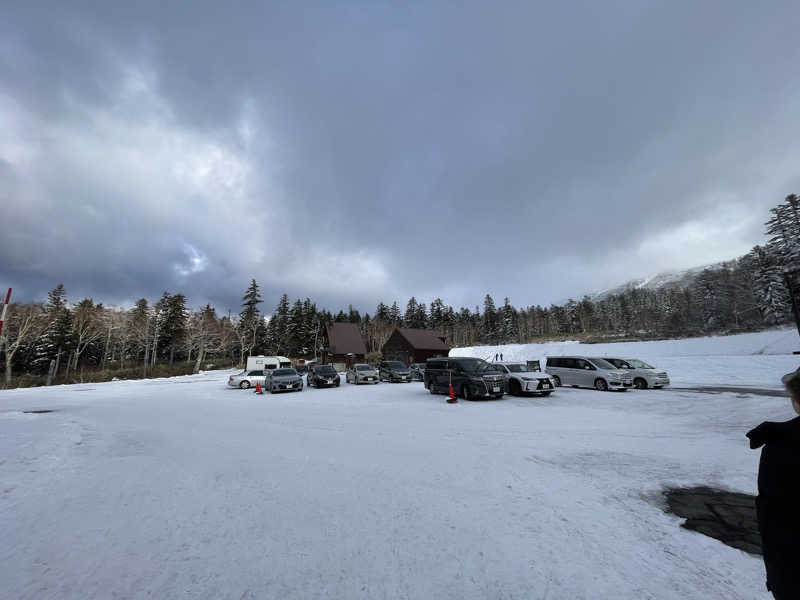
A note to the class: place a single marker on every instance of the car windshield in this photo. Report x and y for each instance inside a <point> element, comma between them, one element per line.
<point>619,363</point>
<point>517,368</point>
<point>477,365</point>
<point>279,372</point>
<point>395,364</point>
<point>363,368</point>
<point>325,370</point>
<point>639,364</point>
<point>601,363</point>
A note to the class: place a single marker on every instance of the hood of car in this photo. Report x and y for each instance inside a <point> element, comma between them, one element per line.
<point>325,375</point>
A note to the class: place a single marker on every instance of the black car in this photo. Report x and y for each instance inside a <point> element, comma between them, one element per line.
<point>417,371</point>
<point>394,371</point>
<point>323,376</point>
<point>471,378</point>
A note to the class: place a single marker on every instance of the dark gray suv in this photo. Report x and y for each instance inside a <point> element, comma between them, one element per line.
<point>472,378</point>
<point>394,371</point>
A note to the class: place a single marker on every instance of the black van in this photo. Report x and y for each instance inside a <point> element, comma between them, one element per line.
<point>472,378</point>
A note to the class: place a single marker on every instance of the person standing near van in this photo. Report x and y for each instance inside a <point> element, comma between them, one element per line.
<point>778,501</point>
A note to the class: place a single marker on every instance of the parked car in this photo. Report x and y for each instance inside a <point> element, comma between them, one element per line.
<point>583,371</point>
<point>644,375</point>
<point>323,376</point>
<point>521,379</point>
<point>417,371</point>
<point>284,380</point>
<point>361,373</point>
<point>471,378</point>
<point>394,371</point>
<point>247,379</point>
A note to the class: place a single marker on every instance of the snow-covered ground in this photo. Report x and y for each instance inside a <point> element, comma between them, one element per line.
<point>184,488</point>
<point>750,359</point>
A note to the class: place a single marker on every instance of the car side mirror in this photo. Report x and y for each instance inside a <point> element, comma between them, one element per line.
<point>587,367</point>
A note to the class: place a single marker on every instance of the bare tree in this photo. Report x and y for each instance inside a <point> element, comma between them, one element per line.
<point>24,324</point>
<point>87,327</point>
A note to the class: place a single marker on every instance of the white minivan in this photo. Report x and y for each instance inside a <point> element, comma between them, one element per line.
<point>585,371</point>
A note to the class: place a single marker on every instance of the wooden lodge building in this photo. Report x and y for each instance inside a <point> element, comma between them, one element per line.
<point>345,346</point>
<point>414,345</point>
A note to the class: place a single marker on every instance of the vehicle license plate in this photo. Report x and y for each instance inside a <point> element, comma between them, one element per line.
<point>495,389</point>
<point>545,385</point>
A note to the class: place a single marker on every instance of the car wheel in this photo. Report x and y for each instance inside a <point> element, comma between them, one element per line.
<point>466,393</point>
<point>244,385</point>
<point>640,383</point>
<point>600,385</point>
<point>557,380</point>
<point>514,387</point>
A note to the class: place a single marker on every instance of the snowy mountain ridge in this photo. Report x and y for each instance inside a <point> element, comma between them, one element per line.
<point>681,279</point>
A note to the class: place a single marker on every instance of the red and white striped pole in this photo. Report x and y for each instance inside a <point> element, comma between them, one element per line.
<point>4,307</point>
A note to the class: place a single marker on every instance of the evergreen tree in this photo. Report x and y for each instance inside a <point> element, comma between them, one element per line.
<point>56,341</point>
<point>394,314</point>
<point>489,327</point>
<point>250,326</point>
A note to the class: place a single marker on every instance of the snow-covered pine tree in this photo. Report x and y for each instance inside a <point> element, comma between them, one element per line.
<point>410,317</point>
<point>56,340</point>
<point>489,332</point>
<point>507,327</point>
<point>395,317</point>
<point>250,323</point>
<point>296,333</point>
<point>771,291</point>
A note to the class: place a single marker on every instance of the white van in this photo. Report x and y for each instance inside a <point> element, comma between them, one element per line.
<point>267,363</point>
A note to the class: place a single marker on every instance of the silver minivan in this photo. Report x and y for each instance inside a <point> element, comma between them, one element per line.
<point>585,371</point>
<point>644,375</point>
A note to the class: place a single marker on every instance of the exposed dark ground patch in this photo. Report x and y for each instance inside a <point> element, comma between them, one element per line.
<point>37,412</point>
<point>729,517</point>
<point>720,389</point>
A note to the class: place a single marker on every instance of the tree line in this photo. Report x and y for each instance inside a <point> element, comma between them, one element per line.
<point>61,341</point>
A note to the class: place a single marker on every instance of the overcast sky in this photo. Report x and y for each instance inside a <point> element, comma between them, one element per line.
<point>363,151</point>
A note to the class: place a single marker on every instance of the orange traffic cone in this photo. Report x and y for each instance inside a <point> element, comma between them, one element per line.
<point>258,388</point>
<point>451,397</point>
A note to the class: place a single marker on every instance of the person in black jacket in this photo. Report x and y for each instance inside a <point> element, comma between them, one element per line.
<point>778,502</point>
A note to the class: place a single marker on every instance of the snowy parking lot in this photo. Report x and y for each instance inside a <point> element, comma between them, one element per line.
<point>186,488</point>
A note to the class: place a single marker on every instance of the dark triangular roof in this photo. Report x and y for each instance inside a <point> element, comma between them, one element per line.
<point>345,338</point>
<point>423,339</point>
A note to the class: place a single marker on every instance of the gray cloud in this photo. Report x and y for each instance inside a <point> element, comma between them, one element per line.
<point>357,152</point>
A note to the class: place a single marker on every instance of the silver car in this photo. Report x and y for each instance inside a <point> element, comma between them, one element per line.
<point>585,371</point>
<point>644,375</point>
<point>361,373</point>
<point>247,379</point>
<point>521,379</point>
<point>284,380</point>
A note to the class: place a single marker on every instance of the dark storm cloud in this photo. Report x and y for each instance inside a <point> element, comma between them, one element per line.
<point>360,151</point>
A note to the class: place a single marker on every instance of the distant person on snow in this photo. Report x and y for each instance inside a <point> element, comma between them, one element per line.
<point>495,358</point>
<point>778,502</point>
<point>501,357</point>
